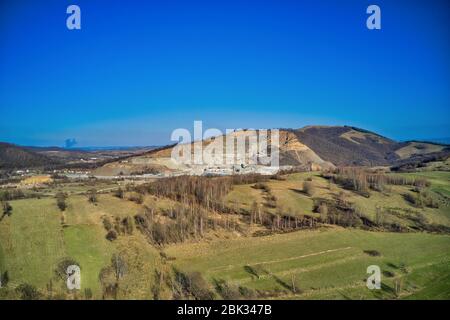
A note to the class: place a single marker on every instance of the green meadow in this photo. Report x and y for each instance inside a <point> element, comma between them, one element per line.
<point>329,262</point>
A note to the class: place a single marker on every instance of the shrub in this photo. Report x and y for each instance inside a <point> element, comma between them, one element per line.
<point>6,208</point>
<point>421,199</point>
<point>128,224</point>
<point>323,210</point>
<point>228,291</point>
<point>388,274</point>
<point>119,266</point>
<point>4,279</point>
<point>262,186</point>
<point>372,253</point>
<point>111,235</point>
<point>92,195</point>
<point>308,188</point>
<point>248,293</point>
<point>137,197</point>
<point>271,203</point>
<point>107,223</point>
<point>28,292</point>
<point>404,268</point>
<point>428,200</point>
<point>194,284</point>
<point>119,193</point>
<point>278,176</point>
<point>61,201</point>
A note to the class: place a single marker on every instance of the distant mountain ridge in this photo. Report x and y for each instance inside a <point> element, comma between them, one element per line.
<point>90,149</point>
<point>313,147</point>
<point>441,141</point>
<point>17,157</point>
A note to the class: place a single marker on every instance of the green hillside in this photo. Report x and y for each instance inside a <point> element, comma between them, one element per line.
<point>236,254</point>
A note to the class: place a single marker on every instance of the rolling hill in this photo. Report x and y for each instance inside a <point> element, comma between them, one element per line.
<point>311,148</point>
<point>344,146</point>
<point>25,157</point>
<point>16,157</point>
<point>349,145</point>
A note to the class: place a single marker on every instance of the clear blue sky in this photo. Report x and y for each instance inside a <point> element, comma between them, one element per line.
<point>139,69</point>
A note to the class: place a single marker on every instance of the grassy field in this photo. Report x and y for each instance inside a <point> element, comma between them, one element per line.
<point>325,263</point>
<point>32,241</point>
<point>288,193</point>
<point>87,245</point>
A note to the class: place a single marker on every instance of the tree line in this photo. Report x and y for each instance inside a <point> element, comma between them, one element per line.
<point>362,181</point>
